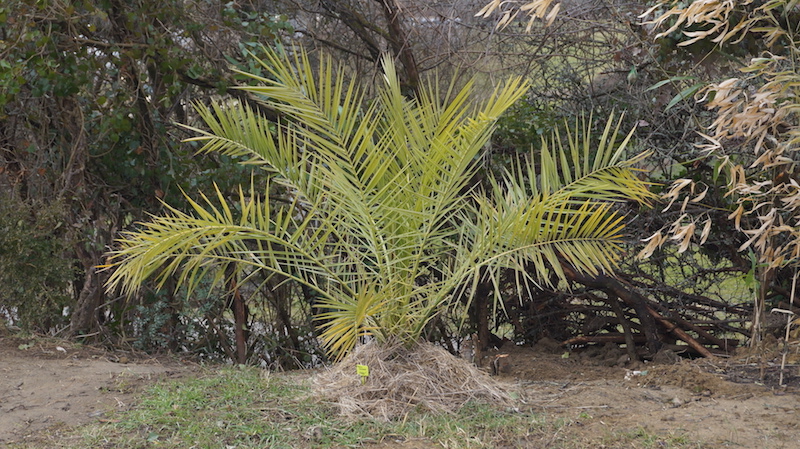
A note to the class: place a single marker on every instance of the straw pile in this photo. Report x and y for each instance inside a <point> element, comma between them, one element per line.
<point>401,379</point>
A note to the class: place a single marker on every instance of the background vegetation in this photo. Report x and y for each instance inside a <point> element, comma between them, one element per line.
<point>88,146</point>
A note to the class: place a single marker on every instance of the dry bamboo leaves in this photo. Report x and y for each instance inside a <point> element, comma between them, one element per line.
<point>547,10</point>
<point>756,111</point>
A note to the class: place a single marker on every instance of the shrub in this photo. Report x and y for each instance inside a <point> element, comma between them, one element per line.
<point>35,274</point>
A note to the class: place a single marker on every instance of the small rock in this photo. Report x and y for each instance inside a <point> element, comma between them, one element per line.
<point>666,357</point>
<point>547,344</point>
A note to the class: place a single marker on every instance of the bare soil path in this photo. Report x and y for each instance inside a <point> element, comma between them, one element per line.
<point>692,399</point>
<point>49,384</point>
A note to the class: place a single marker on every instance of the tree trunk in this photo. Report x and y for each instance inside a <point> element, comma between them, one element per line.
<point>280,296</point>
<point>630,346</point>
<point>401,46</point>
<point>240,315</point>
<point>85,319</point>
<point>481,304</point>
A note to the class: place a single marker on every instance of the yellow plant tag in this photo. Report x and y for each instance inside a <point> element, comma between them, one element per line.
<point>363,371</point>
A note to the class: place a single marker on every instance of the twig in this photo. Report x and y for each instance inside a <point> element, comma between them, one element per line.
<point>789,314</point>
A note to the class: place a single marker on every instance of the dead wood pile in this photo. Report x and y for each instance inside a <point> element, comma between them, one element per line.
<point>637,311</point>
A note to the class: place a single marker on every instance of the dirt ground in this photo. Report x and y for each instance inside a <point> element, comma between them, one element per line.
<point>50,384</point>
<point>717,403</point>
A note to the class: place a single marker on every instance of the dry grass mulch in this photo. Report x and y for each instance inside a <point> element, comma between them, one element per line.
<point>401,379</point>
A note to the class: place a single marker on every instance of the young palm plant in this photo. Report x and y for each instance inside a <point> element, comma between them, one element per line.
<point>383,220</point>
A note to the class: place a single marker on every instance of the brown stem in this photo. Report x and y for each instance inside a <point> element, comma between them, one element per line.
<point>626,327</point>
<point>680,333</point>
<point>239,317</point>
<point>482,314</point>
<point>401,46</point>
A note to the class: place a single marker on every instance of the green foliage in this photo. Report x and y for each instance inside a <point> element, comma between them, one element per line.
<point>35,272</point>
<point>523,126</point>
<point>91,90</point>
<point>93,87</point>
<point>157,322</point>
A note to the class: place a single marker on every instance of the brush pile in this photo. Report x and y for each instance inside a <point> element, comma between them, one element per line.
<point>401,379</point>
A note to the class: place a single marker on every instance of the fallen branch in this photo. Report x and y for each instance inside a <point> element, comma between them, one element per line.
<point>700,331</point>
<point>628,295</point>
<point>680,333</point>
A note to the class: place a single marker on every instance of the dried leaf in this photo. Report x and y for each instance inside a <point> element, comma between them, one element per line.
<point>535,9</point>
<point>685,236</point>
<point>674,191</point>
<point>706,231</point>
<point>749,242</point>
<point>700,197</point>
<point>487,10</point>
<point>506,19</point>
<point>551,16</point>
<point>655,242</point>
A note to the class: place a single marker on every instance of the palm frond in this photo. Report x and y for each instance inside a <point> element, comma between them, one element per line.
<point>586,169</point>
<point>560,212</point>
<point>320,99</point>
<point>193,245</point>
<point>546,234</point>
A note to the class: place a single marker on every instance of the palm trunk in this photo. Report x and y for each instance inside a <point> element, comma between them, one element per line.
<point>240,315</point>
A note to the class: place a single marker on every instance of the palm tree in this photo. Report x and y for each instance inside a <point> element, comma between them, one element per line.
<point>383,221</point>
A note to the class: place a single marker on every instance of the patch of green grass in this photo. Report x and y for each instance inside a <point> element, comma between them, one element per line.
<point>245,408</point>
<point>644,439</point>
